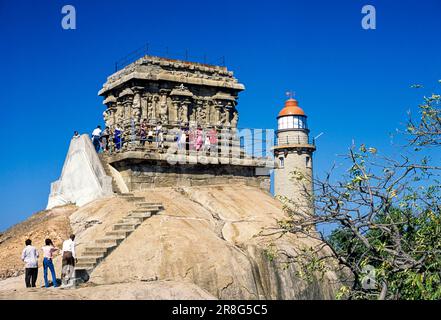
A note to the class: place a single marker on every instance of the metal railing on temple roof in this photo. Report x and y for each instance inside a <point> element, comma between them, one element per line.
<point>147,50</point>
<point>240,142</point>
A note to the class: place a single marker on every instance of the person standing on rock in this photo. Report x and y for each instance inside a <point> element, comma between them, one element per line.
<point>96,138</point>
<point>48,253</point>
<point>30,258</point>
<point>207,144</point>
<point>159,136</point>
<point>69,259</point>
<point>182,142</point>
<point>150,136</point>
<point>105,139</point>
<point>117,137</point>
<point>143,132</point>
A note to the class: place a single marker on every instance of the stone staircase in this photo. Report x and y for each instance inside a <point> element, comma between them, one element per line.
<point>93,254</point>
<point>106,165</point>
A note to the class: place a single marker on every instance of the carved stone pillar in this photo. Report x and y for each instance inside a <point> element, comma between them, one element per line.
<point>126,97</point>
<point>112,110</point>
<point>174,111</point>
<point>109,113</point>
<point>153,108</point>
<point>119,114</point>
<point>136,108</point>
<point>228,114</point>
<point>184,111</point>
<point>144,106</point>
<point>235,118</point>
<point>163,108</point>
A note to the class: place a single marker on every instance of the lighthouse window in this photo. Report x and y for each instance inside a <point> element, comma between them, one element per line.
<point>296,122</point>
<point>290,122</point>
<point>301,122</point>
<point>281,162</point>
<point>308,162</point>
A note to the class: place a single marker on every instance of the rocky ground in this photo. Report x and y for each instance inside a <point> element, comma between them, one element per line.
<point>209,242</point>
<point>53,224</point>
<point>157,290</point>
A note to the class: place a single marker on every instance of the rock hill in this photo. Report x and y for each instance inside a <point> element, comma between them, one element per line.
<point>208,242</point>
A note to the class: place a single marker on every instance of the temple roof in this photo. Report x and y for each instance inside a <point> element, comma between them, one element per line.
<point>182,72</point>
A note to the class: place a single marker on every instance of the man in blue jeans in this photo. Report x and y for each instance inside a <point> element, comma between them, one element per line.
<point>48,253</point>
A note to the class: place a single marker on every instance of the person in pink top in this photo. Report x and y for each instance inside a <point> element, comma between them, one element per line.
<point>199,139</point>
<point>213,140</point>
<point>48,254</point>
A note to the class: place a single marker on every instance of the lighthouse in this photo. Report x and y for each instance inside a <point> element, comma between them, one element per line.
<point>293,152</point>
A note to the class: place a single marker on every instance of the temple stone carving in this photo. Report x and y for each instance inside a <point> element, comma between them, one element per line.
<point>175,93</point>
<point>199,98</point>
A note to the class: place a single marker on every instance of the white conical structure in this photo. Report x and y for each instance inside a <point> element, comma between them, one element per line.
<point>83,178</point>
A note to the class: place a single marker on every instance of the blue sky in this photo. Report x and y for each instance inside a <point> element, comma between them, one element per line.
<point>353,83</point>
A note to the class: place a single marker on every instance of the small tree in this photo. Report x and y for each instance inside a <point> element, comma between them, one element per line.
<point>386,217</point>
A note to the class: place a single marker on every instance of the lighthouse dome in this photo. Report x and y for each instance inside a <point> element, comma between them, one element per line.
<point>291,116</point>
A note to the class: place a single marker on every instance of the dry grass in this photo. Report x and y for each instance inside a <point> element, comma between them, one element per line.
<point>53,224</point>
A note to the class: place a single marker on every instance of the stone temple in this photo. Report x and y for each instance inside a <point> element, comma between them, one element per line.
<point>175,95</point>
<point>180,96</point>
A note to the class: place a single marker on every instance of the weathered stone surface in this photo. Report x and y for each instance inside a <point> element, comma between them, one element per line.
<point>153,173</point>
<point>153,290</point>
<point>175,93</point>
<point>210,236</point>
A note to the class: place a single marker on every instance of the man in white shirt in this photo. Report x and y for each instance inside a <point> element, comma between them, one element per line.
<point>68,249</point>
<point>30,258</point>
<point>69,259</point>
<point>96,137</point>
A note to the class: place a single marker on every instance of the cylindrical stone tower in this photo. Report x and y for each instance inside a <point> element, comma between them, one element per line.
<point>293,155</point>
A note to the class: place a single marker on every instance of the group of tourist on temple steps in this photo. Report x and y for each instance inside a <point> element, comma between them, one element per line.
<point>194,139</point>
<point>30,257</point>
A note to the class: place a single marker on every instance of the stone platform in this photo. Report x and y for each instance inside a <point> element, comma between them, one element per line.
<point>143,170</point>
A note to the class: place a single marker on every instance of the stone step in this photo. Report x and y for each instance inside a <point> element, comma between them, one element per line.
<point>125,226</point>
<point>120,233</point>
<point>143,214</point>
<point>127,194</point>
<point>92,256</point>
<point>84,266</point>
<point>108,172</point>
<point>96,250</point>
<point>89,259</point>
<point>140,209</point>
<point>132,219</point>
<point>146,203</point>
<point>95,255</point>
<point>149,206</point>
<point>109,240</point>
<point>134,199</point>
